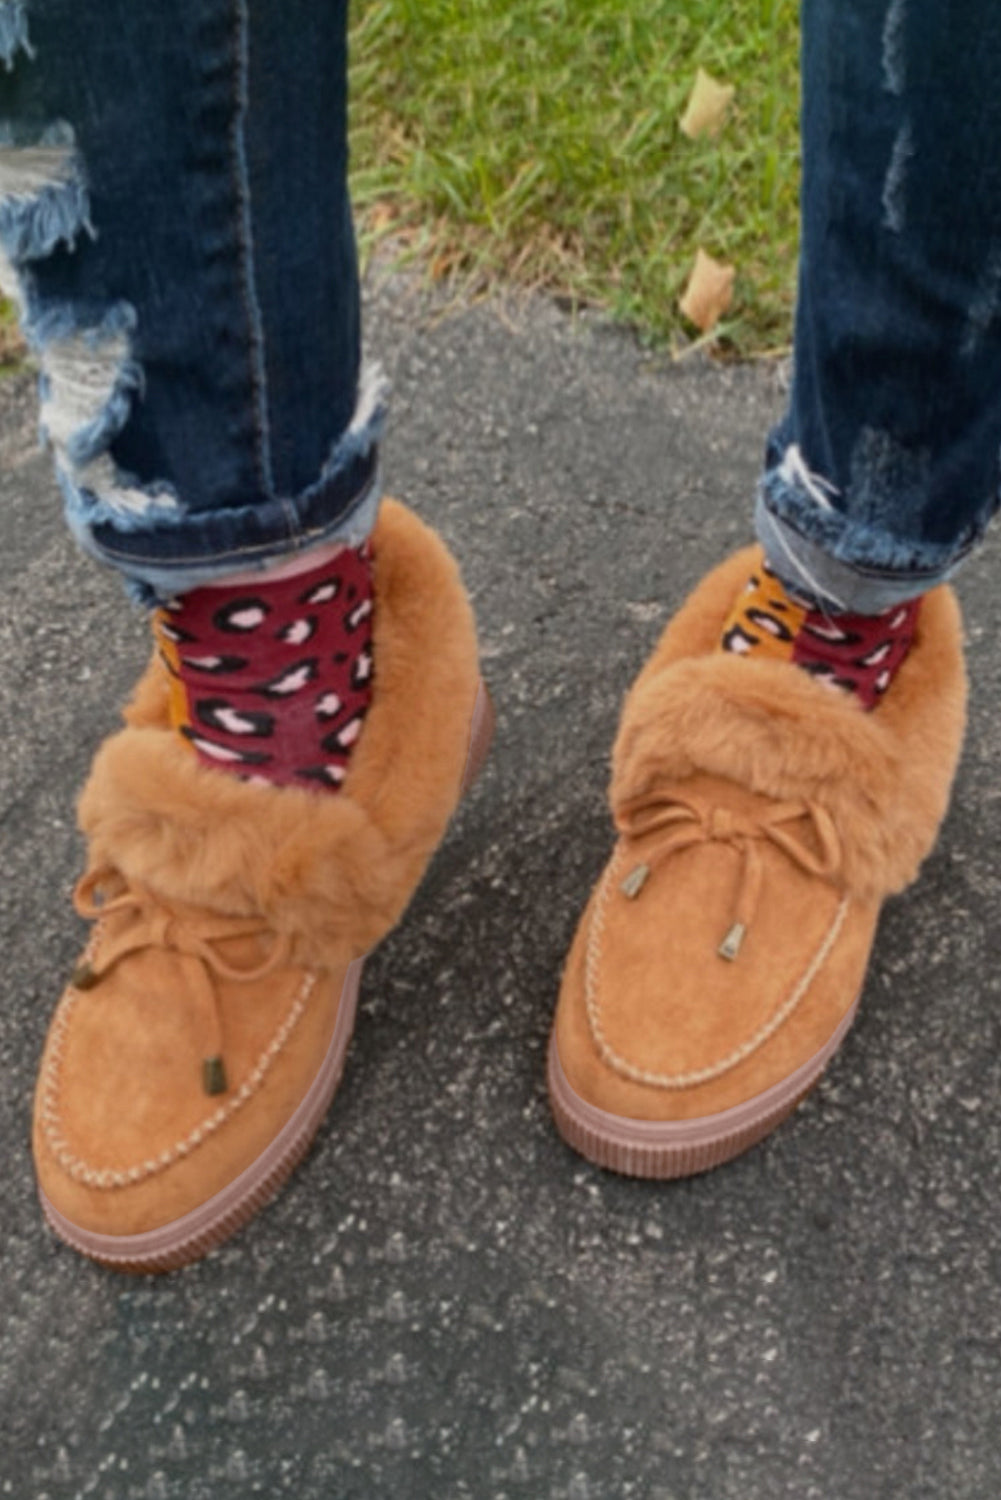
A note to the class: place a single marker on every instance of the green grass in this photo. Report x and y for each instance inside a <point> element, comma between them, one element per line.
<point>12,349</point>
<point>536,141</point>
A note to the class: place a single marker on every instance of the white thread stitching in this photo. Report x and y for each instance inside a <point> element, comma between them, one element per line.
<point>739,1054</point>
<point>82,1171</point>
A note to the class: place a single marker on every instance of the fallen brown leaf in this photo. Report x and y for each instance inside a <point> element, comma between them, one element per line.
<point>709,292</point>
<point>708,105</point>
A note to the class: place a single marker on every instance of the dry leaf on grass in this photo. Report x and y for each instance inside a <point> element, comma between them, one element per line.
<point>709,292</point>
<point>380,217</point>
<point>708,105</point>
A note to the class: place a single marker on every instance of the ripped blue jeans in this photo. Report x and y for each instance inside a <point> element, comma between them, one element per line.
<point>174,220</point>
<point>884,473</point>
<point>175,225</point>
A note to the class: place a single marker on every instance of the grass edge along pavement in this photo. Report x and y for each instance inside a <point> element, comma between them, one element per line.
<point>536,143</point>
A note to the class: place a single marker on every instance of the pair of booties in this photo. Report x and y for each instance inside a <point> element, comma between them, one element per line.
<point>762,819</point>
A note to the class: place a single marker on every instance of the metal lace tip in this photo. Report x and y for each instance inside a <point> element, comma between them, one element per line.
<point>214,1075</point>
<point>635,881</point>
<point>84,977</point>
<point>731,944</point>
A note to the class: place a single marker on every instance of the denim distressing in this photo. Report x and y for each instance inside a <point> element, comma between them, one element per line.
<point>185,261</point>
<point>884,473</point>
<point>174,214</point>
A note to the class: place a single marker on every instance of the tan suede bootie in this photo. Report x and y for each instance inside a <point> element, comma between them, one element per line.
<point>198,1045</point>
<point>762,819</point>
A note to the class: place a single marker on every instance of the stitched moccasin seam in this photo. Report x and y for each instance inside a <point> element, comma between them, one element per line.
<point>740,1053</point>
<point>106,1178</point>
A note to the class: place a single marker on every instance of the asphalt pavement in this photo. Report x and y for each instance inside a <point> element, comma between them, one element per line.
<point>445,1303</point>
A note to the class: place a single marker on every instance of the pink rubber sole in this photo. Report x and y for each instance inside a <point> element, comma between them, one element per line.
<point>189,1238</point>
<point>192,1236</point>
<point>680,1148</point>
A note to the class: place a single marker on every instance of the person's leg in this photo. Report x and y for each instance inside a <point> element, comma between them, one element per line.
<point>178,233</point>
<point>884,474</point>
<point>763,817</point>
<point>175,218</point>
<point>175,224</point>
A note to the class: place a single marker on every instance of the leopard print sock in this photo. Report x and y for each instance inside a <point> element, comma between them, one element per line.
<point>271,680</point>
<point>857,653</point>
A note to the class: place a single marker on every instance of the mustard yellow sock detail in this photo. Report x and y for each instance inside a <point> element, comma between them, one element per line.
<point>764,619</point>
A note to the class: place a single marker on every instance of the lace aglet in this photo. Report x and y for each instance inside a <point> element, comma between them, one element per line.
<point>730,947</point>
<point>635,881</point>
<point>214,1075</point>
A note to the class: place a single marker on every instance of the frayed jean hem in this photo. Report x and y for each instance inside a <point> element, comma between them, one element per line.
<point>150,581</point>
<point>161,548</point>
<point>826,573</point>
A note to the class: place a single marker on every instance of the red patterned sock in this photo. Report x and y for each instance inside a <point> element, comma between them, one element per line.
<point>272,679</point>
<point>858,653</point>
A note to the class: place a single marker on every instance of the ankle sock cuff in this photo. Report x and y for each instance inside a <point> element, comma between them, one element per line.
<point>272,681</point>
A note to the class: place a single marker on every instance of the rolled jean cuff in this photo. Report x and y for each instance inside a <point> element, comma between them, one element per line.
<point>166,551</point>
<point>842,563</point>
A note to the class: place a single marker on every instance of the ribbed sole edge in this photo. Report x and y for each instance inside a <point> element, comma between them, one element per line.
<point>681,1148</point>
<point>189,1238</point>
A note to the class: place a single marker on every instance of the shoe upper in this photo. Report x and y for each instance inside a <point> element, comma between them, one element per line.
<point>762,817</point>
<point>227,915</point>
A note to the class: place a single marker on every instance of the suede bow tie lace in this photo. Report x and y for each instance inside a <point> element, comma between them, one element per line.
<point>682,824</point>
<point>155,923</point>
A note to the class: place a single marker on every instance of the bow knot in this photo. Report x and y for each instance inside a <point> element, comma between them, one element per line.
<point>721,824</point>
<point>154,922</point>
<point>682,822</point>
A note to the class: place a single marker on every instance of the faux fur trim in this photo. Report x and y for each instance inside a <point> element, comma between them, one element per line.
<point>334,869</point>
<point>885,776</point>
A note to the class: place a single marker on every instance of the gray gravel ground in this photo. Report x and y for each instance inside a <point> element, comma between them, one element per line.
<point>446,1302</point>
